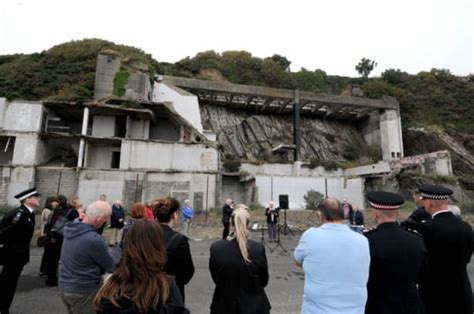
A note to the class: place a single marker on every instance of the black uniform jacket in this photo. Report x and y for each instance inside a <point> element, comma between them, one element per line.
<point>239,286</point>
<point>16,230</point>
<point>445,287</point>
<point>416,219</point>
<point>397,258</point>
<point>226,213</point>
<point>180,263</point>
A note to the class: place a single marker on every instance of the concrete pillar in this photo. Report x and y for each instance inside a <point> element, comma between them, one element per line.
<point>296,126</point>
<point>391,132</point>
<point>85,123</point>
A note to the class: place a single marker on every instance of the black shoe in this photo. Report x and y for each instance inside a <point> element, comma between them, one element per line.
<point>51,283</point>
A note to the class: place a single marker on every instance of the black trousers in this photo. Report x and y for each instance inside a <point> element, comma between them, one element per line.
<point>8,281</point>
<point>226,230</point>
<point>53,255</point>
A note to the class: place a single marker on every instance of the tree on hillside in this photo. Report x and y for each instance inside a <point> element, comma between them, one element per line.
<point>365,66</point>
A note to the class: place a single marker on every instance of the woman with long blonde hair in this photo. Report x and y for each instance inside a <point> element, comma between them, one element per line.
<point>239,269</point>
<point>139,285</point>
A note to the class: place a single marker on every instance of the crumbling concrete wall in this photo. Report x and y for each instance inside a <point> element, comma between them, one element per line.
<point>269,187</point>
<point>50,181</point>
<point>168,156</point>
<point>185,104</point>
<point>107,67</point>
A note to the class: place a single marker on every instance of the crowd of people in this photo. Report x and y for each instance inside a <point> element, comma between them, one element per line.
<point>418,266</point>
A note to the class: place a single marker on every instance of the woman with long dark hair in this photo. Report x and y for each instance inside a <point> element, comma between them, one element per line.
<point>139,285</point>
<point>239,269</point>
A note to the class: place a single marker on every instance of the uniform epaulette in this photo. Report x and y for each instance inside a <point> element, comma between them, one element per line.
<point>370,230</point>
<point>17,216</point>
<point>413,231</point>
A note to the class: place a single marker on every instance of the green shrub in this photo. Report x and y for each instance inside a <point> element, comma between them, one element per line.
<point>256,206</point>
<point>312,199</point>
<point>120,80</point>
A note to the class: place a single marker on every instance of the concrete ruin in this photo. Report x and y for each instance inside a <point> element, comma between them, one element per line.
<point>153,142</point>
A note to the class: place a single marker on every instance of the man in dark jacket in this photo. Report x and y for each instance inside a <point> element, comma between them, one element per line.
<point>116,223</point>
<point>445,286</point>
<point>397,259</point>
<point>418,217</point>
<point>180,263</point>
<point>16,230</point>
<point>226,213</point>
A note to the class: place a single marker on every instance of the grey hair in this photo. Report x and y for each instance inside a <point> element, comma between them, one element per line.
<point>187,202</point>
<point>228,201</point>
<point>331,209</point>
<point>97,209</point>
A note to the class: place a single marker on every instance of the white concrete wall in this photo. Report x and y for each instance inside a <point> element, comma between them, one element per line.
<point>103,126</point>
<point>185,104</point>
<point>391,135</point>
<point>380,167</point>
<point>443,165</point>
<point>26,149</point>
<point>138,129</point>
<point>288,170</point>
<point>167,156</point>
<point>100,156</point>
<point>297,187</point>
<point>21,116</point>
<point>21,178</point>
<point>197,183</point>
<point>93,183</point>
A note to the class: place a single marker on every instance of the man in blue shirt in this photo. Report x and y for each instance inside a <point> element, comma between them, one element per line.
<point>187,216</point>
<point>336,264</point>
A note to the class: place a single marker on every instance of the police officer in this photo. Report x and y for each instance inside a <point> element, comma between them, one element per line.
<point>445,287</point>
<point>397,259</point>
<point>419,216</point>
<point>16,230</point>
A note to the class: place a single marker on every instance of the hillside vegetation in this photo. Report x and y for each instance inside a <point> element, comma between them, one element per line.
<point>67,71</point>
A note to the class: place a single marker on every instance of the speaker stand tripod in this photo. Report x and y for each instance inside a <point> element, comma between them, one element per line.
<point>286,228</point>
<point>262,240</point>
<point>279,245</point>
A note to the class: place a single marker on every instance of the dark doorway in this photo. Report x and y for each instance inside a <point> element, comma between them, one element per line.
<point>115,163</point>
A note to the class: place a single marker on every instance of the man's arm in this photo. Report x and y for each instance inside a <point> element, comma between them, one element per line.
<point>101,255</point>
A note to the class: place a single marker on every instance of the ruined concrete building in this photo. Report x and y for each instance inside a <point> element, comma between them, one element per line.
<point>168,136</point>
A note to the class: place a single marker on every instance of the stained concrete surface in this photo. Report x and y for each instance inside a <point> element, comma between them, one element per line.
<point>284,289</point>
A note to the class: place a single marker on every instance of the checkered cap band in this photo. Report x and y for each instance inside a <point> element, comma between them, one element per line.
<point>379,206</point>
<point>433,196</point>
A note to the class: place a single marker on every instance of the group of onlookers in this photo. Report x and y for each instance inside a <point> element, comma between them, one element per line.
<point>416,267</point>
<point>391,269</point>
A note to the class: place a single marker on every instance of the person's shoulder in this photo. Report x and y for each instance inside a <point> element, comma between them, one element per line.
<point>220,244</point>
<point>370,232</point>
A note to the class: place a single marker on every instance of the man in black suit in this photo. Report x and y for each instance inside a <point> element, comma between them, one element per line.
<point>397,258</point>
<point>419,216</point>
<point>445,286</point>
<point>16,230</point>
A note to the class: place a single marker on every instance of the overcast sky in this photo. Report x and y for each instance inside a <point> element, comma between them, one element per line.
<point>333,35</point>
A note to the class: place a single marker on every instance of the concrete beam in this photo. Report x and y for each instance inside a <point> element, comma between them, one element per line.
<point>260,91</point>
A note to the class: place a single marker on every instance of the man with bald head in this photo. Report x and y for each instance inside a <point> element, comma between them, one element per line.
<point>336,263</point>
<point>85,258</point>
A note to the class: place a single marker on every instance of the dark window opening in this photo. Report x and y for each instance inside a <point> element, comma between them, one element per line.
<point>7,145</point>
<point>115,162</point>
<point>121,128</point>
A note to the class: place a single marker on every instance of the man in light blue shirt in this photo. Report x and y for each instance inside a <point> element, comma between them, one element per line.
<point>336,263</point>
<point>187,216</point>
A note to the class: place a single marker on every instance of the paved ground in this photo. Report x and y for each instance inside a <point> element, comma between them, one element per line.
<point>284,290</point>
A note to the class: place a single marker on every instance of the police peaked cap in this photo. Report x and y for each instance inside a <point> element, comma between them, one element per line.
<point>27,193</point>
<point>384,200</point>
<point>435,192</point>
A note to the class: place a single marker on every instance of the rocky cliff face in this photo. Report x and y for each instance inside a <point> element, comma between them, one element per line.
<point>252,136</point>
